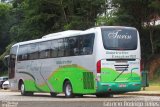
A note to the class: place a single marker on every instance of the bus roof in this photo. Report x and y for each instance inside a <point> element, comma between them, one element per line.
<point>67,33</point>
<point>51,36</point>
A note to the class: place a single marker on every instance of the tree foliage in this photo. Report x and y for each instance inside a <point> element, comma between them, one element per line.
<point>5,23</point>
<point>39,17</point>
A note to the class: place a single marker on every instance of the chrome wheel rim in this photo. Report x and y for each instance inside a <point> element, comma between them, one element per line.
<point>22,88</point>
<point>68,89</point>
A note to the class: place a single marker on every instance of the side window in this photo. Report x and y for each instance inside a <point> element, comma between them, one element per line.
<point>33,51</point>
<point>54,48</point>
<point>45,49</point>
<point>73,46</point>
<point>67,47</point>
<point>61,48</point>
<point>86,44</point>
<point>23,53</point>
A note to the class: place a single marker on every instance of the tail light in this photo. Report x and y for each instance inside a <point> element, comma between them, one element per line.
<point>99,66</point>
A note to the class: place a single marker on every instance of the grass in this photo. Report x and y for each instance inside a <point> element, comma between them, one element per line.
<point>156,79</point>
<point>154,85</point>
<point>152,88</point>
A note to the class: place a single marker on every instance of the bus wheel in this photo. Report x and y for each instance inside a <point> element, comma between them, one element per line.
<point>53,94</point>
<point>68,90</point>
<point>23,92</point>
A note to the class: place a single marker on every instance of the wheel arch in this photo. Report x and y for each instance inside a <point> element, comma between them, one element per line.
<point>20,83</point>
<point>65,80</point>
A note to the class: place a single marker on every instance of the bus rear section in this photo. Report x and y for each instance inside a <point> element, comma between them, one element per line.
<point>118,61</point>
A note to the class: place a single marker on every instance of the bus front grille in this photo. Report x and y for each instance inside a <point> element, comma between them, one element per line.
<point>88,80</point>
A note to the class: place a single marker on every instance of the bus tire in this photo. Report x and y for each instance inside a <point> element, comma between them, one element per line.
<point>22,89</point>
<point>68,90</point>
<point>53,94</point>
<point>23,92</point>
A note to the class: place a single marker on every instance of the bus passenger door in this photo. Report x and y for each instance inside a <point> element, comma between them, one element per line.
<point>12,61</point>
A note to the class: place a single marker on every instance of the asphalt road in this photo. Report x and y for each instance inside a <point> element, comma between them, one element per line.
<point>14,99</point>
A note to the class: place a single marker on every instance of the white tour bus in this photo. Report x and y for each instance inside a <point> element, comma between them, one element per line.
<point>102,61</point>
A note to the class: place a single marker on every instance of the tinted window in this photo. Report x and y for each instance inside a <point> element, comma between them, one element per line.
<point>33,51</point>
<point>54,48</point>
<point>45,49</point>
<point>73,46</point>
<point>119,39</point>
<point>61,47</point>
<point>5,79</point>
<point>22,52</point>
<point>70,46</point>
<point>66,47</point>
<point>86,44</point>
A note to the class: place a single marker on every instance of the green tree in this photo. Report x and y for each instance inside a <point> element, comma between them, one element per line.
<point>40,17</point>
<point>4,25</point>
<point>153,14</point>
<point>5,20</point>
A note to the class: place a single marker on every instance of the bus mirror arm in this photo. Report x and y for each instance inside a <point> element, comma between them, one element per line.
<point>6,60</point>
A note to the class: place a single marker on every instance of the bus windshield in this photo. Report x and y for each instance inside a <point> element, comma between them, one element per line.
<point>119,38</point>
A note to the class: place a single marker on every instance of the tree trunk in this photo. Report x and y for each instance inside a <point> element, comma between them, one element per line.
<point>64,13</point>
<point>151,39</point>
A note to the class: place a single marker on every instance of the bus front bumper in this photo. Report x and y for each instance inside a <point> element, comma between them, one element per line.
<point>118,87</point>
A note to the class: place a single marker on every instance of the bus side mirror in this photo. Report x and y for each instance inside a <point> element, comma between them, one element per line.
<point>6,60</point>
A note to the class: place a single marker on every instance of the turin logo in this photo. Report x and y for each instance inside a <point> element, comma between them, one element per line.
<point>115,35</point>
